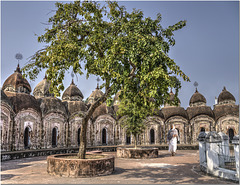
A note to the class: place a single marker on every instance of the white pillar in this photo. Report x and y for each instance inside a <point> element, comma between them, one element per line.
<point>225,144</point>
<point>212,146</point>
<point>202,148</point>
<point>224,150</point>
<point>235,141</point>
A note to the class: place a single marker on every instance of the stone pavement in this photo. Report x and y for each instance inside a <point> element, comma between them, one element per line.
<point>180,169</point>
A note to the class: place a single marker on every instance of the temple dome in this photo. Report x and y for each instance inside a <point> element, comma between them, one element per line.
<point>174,111</point>
<point>226,97</point>
<point>225,110</point>
<point>5,99</point>
<point>97,93</point>
<point>42,89</point>
<point>171,100</point>
<point>16,83</point>
<point>159,113</point>
<point>76,106</point>
<point>116,99</point>
<point>197,99</point>
<point>199,110</point>
<point>52,105</point>
<point>103,109</point>
<point>72,93</point>
<point>116,103</point>
<point>23,101</point>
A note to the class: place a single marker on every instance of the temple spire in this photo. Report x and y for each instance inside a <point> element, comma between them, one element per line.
<point>98,79</point>
<point>18,69</point>
<point>18,56</point>
<point>72,82</point>
<point>196,85</point>
<point>72,75</point>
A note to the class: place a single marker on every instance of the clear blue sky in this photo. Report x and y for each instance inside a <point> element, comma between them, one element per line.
<point>207,49</point>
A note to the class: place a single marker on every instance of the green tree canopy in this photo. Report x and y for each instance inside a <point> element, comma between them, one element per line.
<point>128,51</point>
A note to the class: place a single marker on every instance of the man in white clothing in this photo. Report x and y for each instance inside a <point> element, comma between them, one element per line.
<point>172,140</point>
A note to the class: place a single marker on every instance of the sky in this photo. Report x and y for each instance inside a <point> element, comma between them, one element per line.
<point>206,49</point>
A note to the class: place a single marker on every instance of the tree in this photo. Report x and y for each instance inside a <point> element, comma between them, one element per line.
<point>128,51</point>
<point>133,119</point>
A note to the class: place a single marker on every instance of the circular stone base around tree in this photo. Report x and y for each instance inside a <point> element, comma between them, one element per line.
<point>138,153</point>
<point>60,165</point>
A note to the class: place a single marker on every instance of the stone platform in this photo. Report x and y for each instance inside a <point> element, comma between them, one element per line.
<point>61,166</point>
<point>137,153</point>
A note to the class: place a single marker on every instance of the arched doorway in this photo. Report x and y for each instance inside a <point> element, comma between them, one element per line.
<point>202,129</point>
<point>128,140</point>
<point>104,136</point>
<point>230,134</point>
<point>54,137</point>
<point>178,138</point>
<point>78,136</point>
<point>152,136</point>
<point>26,138</point>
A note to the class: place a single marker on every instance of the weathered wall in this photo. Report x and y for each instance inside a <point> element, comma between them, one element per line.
<point>59,122</point>
<point>198,122</point>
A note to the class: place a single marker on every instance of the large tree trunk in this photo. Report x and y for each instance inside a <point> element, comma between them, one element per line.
<point>83,134</point>
<point>83,140</point>
<point>135,141</point>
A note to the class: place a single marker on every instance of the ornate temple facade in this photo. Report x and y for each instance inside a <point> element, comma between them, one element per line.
<point>42,121</point>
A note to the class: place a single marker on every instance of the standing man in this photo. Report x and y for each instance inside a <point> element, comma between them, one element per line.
<point>172,139</point>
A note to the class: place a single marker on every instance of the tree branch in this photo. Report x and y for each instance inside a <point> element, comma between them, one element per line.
<point>67,24</point>
<point>97,104</point>
<point>131,74</point>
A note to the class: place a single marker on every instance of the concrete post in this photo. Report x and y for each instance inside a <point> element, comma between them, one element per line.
<point>224,150</point>
<point>225,144</point>
<point>202,148</point>
<point>213,141</point>
<point>235,141</point>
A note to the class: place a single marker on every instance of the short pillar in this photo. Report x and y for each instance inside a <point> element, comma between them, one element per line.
<point>202,148</point>
<point>225,144</point>
<point>235,141</point>
<point>224,150</point>
<point>213,141</point>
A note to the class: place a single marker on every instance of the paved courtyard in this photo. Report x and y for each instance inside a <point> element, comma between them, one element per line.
<point>180,169</point>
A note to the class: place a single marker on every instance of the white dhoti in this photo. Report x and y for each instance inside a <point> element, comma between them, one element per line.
<point>173,145</point>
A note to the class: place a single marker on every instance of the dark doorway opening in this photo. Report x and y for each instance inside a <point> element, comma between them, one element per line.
<point>26,138</point>
<point>231,134</point>
<point>128,140</point>
<point>104,136</point>
<point>152,136</point>
<point>54,137</point>
<point>78,136</point>
<point>202,129</point>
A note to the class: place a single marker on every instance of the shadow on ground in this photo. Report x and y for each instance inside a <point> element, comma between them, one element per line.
<point>14,167</point>
<point>168,155</point>
<point>174,174</point>
<point>6,176</point>
<point>19,163</point>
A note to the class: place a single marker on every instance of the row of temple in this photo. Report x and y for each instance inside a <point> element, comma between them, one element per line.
<point>44,121</point>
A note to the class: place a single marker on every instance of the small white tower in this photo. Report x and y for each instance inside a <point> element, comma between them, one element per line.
<point>215,100</point>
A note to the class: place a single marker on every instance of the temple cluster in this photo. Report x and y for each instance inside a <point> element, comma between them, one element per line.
<point>42,121</point>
